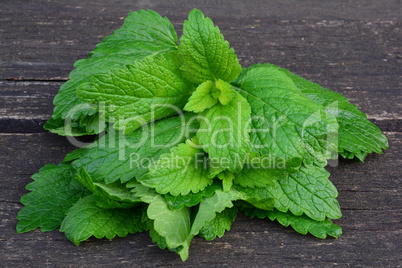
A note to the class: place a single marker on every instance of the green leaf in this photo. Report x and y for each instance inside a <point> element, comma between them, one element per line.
<point>114,191</point>
<point>191,199</point>
<point>227,178</point>
<point>179,172</point>
<point>174,225</point>
<point>181,201</point>
<point>359,156</point>
<point>74,155</point>
<point>210,206</point>
<point>218,225</point>
<point>285,122</point>
<point>88,124</point>
<point>301,224</point>
<point>143,33</point>
<point>142,192</point>
<point>226,92</point>
<point>256,197</point>
<point>157,238</point>
<point>201,98</point>
<point>123,157</point>
<point>224,134</point>
<point>95,216</point>
<point>140,93</point>
<point>357,135</point>
<point>261,171</point>
<point>205,55</point>
<point>306,191</point>
<point>53,192</point>
<point>207,94</point>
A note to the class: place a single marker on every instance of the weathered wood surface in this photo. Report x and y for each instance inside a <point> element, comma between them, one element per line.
<point>353,47</point>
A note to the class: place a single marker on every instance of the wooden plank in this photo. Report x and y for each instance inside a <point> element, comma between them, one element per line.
<point>26,105</point>
<point>368,194</point>
<point>34,100</point>
<point>29,100</point>
<point>56,34</point>
<point>49,40</point>
<point>355,54</point>
<point>349,46</point>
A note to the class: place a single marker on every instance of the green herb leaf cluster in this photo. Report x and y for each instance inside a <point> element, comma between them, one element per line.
<point>189,138</point>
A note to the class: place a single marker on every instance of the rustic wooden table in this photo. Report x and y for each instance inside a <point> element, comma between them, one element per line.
<point>353,47</point>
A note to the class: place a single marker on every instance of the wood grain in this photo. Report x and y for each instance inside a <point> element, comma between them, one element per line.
<point>357,55</point>
<point>26,105</point>
<point>368,195</point>
<point>352,47</point>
